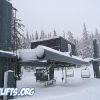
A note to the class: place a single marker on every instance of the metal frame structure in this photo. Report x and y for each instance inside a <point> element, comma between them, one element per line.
<point>54,58</point>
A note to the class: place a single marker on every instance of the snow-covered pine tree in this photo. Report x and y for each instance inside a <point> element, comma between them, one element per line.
<point>97,35</point>
<point>42,35</point>
<point>71,37</point>
<point>17,32</point>
<point>36,35</point>
<point>54,33</point>
<point>91,37</point>
<point>86,45</point>
<point>78,47</point>
<point>32,37</point>
<point>49,35</point>
<point>27,40</point>
<point>64,35</point>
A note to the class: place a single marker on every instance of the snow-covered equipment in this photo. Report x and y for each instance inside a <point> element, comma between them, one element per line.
<point>70,72</point>
<point>43,55</point>
<point>49,58</point>
<point>50,82</point>
<point>46,53</point>
<point>41,74</point>
<point>45,75</point>
<point>50,53</point>
<point>57,50</point>
<point>85,73</point>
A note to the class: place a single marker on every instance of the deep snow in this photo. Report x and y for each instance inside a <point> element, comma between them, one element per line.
<point>76,88</point>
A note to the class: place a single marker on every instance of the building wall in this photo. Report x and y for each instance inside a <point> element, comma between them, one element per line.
<point>64,45</point>
<point>5,25</point>
<point>59,44</point>
<point>52,43</point>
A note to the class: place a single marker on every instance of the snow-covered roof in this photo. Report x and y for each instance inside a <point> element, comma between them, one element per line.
<point>46,39</point>
<point>51,54</point>
<point>64,57</point>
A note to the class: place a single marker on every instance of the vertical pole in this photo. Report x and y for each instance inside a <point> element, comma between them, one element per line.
<point>48,73</point>
<point>5,83</point>
<point>65,75</point>
<point>1,77</point>
<point>15,34</point>
<point>96,63</point>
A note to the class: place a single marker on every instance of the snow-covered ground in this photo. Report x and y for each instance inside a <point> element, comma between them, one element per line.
<point>76,88</point>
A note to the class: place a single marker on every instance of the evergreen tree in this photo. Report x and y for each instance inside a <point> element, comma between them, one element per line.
<point>42,35</point>
<point>54,33</point>
<point>27,36</point>
<point>17,32</point>
<point>27,40</point>
<point>97,35</point>
<point>78,47</point>
<point>86,45</point>
<point>49,35</point>
<point>32,37</point>
<point>64,35</point>
<point>71,37</point>
<point>36,36</point>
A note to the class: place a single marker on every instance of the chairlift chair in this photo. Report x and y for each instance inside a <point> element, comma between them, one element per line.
<point>70,72</point>
<point>85,73</point>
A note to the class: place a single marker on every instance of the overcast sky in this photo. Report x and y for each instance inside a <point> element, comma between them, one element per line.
<point>63,15</point>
